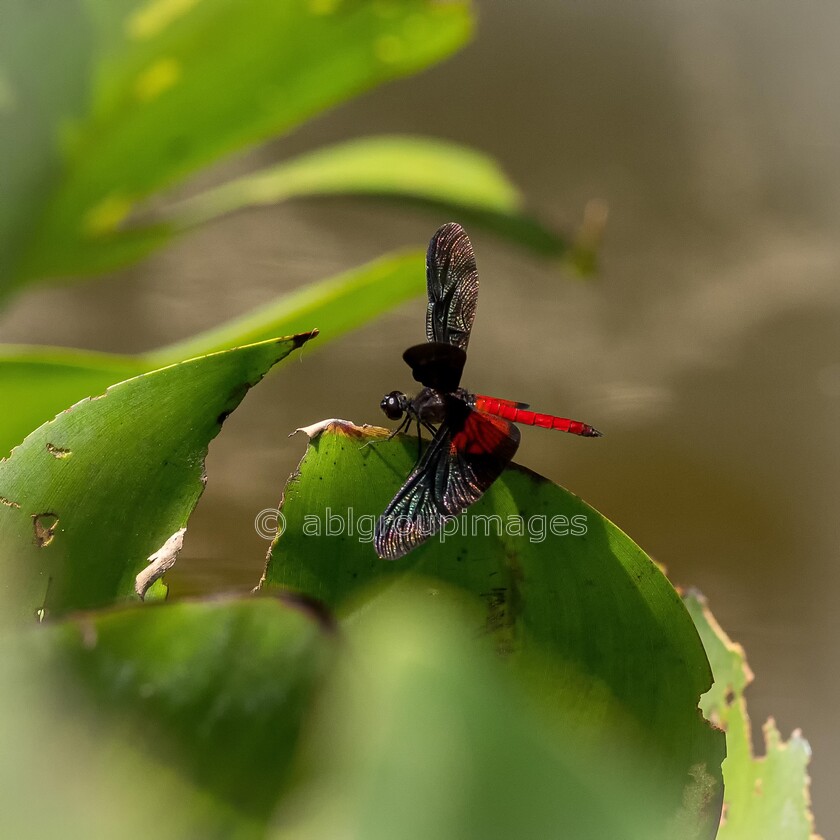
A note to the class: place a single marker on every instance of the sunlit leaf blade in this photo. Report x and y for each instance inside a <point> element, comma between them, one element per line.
<point>335,306</point>
<point>90,495</point>
<point>38,382</point>
<point>765,796</point>
<point>454,181</point>
<point>420,167</point>
<point>424,733</point>
<point>194,709</point>
<point>160,89</point>
<point>592,603</point>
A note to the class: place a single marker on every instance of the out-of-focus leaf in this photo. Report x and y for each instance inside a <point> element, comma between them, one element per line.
<point>424,733</point>
<point>192,710</point>
<point>44,76</point>
<point>449,179</point>
<point>59,775</point>
<point>90,495</point>
<point>765,796</point>
<point>584,597</point>
<point>38,382</point>
<point>156,89</point>
<point>420,167</point>
<point>219,687</point>
<point>335,306</point>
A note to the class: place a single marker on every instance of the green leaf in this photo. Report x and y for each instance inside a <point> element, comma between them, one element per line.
<point>160,88</point>
<point>38,382</point>
<point>41,381</point>
<point>422,733</point>
<point>44,75</point>
<point>452,180</point>
<point>765,796</point>
<point>89,496</point>
<point>195,709</point>
<point>222,686</point>
<point>585,598</point>
<point>420,167</point>
<point>335,306</point>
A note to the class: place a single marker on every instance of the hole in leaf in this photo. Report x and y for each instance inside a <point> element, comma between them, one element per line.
<point>44,525</point>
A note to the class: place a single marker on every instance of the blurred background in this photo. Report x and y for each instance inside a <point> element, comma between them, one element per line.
<point>706,348</point>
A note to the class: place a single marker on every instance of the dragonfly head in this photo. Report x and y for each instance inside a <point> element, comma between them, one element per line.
<point>394,405</point>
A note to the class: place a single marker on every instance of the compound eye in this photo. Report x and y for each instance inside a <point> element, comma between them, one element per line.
<point>391,406</point>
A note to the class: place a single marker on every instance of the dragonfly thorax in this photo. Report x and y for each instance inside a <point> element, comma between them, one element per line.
<point>428,406</point>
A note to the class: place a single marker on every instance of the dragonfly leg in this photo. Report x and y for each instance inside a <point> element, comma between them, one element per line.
<point>423,424</point>
<point>429,428</point>
<point>401,428</point>
<point>403,425</point>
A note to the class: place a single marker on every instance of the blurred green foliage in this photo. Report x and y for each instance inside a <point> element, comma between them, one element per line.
<point>230,724</point>
<point>131,97</point>
<point>107,104</point>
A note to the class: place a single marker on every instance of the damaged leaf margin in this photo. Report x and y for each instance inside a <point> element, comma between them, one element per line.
<point>133,480</point>
<point>764,796</point>
<point>159,563</point>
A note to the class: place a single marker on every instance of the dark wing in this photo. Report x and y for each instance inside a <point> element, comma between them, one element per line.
<point>464,458</point>
<point>452,281</point>
<point>436,365</point>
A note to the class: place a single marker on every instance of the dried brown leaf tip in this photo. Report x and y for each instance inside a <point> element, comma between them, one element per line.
<point>301,338</point>
<point>341,427</point>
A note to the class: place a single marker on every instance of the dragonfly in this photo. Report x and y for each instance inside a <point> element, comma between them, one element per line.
<point>473,436</point>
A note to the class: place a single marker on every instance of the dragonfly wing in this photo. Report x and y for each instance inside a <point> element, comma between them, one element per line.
<point>479,452</point>
<point>467,454</point>
<point>452,281</point>
<point>436,365</point>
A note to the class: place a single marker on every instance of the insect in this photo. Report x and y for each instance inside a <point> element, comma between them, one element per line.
<point>473,436</point>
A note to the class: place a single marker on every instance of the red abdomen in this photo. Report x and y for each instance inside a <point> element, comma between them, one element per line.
<point>519,413</point>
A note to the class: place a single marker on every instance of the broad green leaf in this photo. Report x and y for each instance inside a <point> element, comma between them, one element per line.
<point>38,382</point>
<point>452,180</point>
<point>195,709</point>
<point>584,597</point>
<point>765,796</point>
<point>89,496</point>
<point>160,88</point>
<point>422,733</point>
